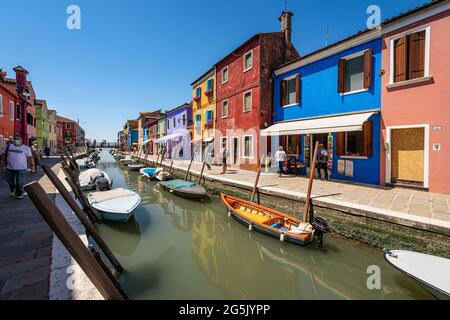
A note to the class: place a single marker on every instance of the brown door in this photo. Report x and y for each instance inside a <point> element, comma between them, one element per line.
<point>408,155</point>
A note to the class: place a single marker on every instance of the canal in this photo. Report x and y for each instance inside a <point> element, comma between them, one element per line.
<point>182,249</point>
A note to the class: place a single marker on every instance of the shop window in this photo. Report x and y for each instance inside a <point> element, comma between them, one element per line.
<point>355,72</point>
<point>356,143</point>
<point>290,91</point>
<point>248,146</point>
<point>409,56</point>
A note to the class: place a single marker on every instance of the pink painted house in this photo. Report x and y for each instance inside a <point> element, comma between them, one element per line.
<point>416,99</point>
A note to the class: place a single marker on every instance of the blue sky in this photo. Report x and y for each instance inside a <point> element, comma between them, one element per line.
<point>142,55</point>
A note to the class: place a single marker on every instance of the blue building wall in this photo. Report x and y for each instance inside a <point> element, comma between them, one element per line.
<point>319,97</point>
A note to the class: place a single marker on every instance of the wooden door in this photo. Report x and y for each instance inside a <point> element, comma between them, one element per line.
<point>408,154</point>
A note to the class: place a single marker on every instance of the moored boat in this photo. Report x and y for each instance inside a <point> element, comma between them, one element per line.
<point>269,221</point>
<point>127,160</point>
<point>116,205</point>
<point>183,188</point>
<point>135,167</point>
<point>87,179</point>
<point>431,272</point>
<point>147,172</point>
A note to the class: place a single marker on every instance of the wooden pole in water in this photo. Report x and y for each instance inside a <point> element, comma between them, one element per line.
<point>201,173</point>
<point>189,168</point>
<point>71,241</point>
<point>81,215</point>
<point>171,166</point>
<point>310,184</point>
<point>146,157</point>
<point>258,174</point>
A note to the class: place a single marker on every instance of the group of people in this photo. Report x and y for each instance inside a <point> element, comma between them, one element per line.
<point>17,158</point>
<point>322,161</point>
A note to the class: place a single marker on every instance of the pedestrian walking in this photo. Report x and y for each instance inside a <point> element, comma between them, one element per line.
<point>322,161</point>
<point>224,159</point>
<point>18,158</point>
<point>280,158</point>
<point>47,152</point>
<point>37,155</point>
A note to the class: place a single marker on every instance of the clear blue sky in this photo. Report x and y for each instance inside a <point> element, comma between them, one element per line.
<point>142,55</point>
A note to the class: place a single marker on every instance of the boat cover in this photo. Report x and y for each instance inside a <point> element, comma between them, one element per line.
<point>103,196</point>
<point>176,184</point>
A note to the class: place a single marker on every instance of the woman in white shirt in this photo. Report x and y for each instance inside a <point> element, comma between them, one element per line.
<point>280,157</point>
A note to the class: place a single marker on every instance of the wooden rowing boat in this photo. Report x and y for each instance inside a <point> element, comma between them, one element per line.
<point>269,221</point>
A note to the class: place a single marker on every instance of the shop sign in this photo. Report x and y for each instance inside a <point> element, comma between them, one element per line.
<point>348,168</point>
<point>437,128</point>
<point>330,153</point>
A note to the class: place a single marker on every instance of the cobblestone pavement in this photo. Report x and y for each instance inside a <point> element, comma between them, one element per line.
<point>406,201</point>
<point>25,244</point>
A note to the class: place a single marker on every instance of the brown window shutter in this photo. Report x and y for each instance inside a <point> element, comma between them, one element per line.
<point>297,89</point>
<point>367,131</point>
<point>400,59</point>
<point>283,92</point>
<point>340,143</point>
<point>367,69</point>
<point>341,76</point>
<point>416,66</point>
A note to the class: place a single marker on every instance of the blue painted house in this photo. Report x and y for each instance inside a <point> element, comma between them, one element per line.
<point>332,96</point>
<point>133,134</point>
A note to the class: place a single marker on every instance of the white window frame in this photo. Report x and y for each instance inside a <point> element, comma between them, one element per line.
<point>251,61</point>
<point>228,74</point>
<point>228,108</point>
<point>1,106</point>
<point>426,75</point>
<point>288,79</point>
<point>243,147</point>
<point>349,57</point>
<point>251,101</point>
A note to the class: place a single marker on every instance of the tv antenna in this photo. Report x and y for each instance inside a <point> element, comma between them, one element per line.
<point>327,33</point>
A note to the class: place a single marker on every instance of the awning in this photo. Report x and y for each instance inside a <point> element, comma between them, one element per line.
<point>169,137</point>
<point>208,140</point>
<point>352,122</point>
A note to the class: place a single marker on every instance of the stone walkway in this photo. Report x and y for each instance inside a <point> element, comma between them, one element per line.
<point>414,205</point>
<point>25,245</point>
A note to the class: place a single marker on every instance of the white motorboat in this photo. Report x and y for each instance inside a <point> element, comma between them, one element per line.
<point>87,178</point>
<point>135,167</point>
<point>162,175</point>
<point>127,160</point>
<point>147,172</point>
<point>116,205</point>
<point>432,272</point>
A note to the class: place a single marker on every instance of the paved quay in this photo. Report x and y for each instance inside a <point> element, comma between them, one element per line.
<point>420,209</point>
<point>25,244</point>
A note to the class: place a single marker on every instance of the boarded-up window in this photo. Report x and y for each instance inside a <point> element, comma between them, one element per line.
<point>409,56</point>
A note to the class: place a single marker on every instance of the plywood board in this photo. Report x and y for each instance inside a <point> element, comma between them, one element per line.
<point>408,154</point>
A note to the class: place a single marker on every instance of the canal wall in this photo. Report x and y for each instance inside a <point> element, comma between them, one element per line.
<point>378,229</point>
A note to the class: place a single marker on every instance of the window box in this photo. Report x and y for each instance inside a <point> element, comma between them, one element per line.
<point>197,99</point>
<point>208,93</point>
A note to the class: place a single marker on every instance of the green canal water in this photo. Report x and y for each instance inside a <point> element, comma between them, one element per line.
<point>182,249</point>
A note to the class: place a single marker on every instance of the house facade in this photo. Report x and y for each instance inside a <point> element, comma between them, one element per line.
<point>415,99</point>
<point>332,96</point>
<point>132,132</point>
<point>42,124</point>
<point>8,101</point>
<point>204,113</point>
<point>147,128</point>
<point>52,141</point>
<point>162,131</point>
<point>178,139</point>
<point>59,133</point>
<point>244,93</point>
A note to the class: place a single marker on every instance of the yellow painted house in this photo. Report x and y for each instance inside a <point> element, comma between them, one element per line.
<point>204,113</point>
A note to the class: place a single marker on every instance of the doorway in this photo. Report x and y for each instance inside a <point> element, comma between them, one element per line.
<point>408,156</point>
<point>235,150</point>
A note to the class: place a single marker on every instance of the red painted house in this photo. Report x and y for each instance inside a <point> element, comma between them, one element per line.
<point>69,130</point>
<point>25,108</point>
<point>8,100</point>
<point>244,93</point>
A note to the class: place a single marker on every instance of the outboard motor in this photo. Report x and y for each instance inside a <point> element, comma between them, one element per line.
<point>320,227</point>
<point>102,184</point>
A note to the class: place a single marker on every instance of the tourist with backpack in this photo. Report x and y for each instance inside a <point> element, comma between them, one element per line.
<point>322,161</point>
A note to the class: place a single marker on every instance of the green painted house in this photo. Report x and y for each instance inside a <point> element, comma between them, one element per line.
<point>42,124</point>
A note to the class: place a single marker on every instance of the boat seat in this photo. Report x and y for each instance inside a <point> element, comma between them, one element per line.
<point>103,196</point>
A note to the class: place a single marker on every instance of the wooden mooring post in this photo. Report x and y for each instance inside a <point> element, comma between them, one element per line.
<point>189,168</point>
<point>82,217</point>
<point>77,249</point>
<point>310,184</point>
<point>258,175</point>
<point>201,173</point>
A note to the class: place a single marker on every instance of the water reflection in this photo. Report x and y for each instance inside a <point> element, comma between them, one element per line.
<point>182,249</point>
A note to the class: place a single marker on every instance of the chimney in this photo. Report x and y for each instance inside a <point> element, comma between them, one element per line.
<point>286,25</point>
<point>21,79</point>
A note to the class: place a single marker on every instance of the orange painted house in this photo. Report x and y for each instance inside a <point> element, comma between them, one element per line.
<point>416,99</point>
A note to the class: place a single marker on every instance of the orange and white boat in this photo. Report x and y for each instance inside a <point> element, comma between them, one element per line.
<point>269,221</point>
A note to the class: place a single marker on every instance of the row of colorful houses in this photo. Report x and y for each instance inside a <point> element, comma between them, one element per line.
<point>21,112</point>
<point>378,101</point>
